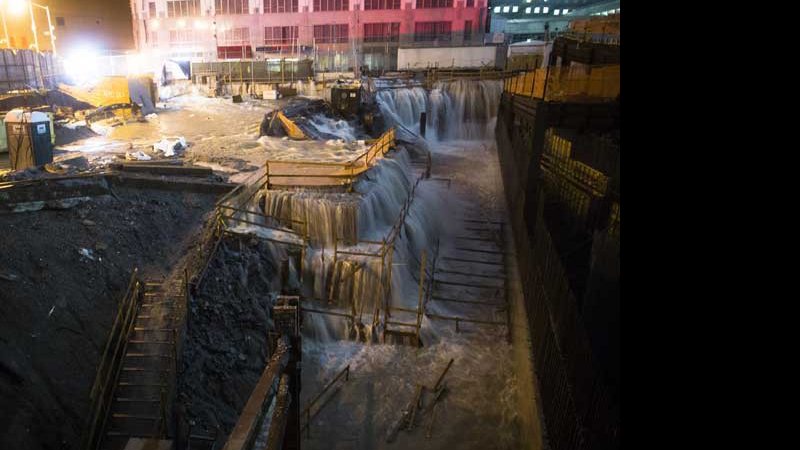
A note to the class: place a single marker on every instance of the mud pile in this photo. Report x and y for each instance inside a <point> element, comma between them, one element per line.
<point>62,274</point>
<point>225,349</point>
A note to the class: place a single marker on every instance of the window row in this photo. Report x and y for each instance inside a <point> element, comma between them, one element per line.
<point>188,8</point>
<point>331,34</point>
<point>232,6</point>
<point>381,4</point>
<point>331,5</point>
<point>328,34</point>
<point>434,4</point>
<point>382,32</point>
<point>528,10</point>
<point>280,6</point>
<point>280,35</point>
<point>180,8</point>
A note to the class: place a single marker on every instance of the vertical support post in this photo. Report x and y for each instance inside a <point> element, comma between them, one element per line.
<point>546,79</point>
<point>33,27</point>
<point>421,294</point>
<point>5,31</point>
<point>50,30</point>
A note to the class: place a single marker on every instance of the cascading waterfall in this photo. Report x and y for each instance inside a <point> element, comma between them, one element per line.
<point>380,193</point>
<point>356,284</point>
<point>457,110</point>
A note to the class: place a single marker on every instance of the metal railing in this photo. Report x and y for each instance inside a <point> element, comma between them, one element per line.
<point>343,173</point>
<point>235,208</point>
<point>108,370</point>
<point>307,410</point>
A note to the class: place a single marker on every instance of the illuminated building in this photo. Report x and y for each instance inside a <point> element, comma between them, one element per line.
<point>520,20</point>
<point>338,34</point>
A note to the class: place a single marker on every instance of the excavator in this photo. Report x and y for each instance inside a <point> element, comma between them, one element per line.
<point>120,96</point>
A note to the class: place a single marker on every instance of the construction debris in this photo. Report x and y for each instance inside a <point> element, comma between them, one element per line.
<point>137,156</point>
<point>170,146</point>
<point>410,413</point>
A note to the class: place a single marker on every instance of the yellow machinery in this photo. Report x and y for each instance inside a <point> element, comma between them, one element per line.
<point>116,93</point>
<point>109,91</point>
<point>291,128</point>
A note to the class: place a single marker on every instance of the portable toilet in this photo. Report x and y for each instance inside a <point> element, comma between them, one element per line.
<point>28,139</point>
<point>3,140</point>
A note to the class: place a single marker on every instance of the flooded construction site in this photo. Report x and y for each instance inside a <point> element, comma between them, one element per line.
<point>342,263</point>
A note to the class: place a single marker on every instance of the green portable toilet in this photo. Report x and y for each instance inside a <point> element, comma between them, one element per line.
<point>28,139</point>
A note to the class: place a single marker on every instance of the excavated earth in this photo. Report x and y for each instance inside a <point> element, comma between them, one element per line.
<point>62,274</point>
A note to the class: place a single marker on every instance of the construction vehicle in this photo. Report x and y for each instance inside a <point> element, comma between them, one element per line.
<point>116,96</point>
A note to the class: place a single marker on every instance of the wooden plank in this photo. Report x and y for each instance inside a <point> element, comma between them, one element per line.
<point>249,419</point>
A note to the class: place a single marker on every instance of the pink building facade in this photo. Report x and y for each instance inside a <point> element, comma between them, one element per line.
<point>338,34</point>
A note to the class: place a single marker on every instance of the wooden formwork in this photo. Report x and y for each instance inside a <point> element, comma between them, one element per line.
<point>325,174</point>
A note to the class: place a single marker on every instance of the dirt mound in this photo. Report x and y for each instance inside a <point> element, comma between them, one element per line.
<point>62,273</point>
<point>226,344</point>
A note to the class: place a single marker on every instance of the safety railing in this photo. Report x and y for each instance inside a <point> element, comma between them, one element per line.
<point>557,158</point>
<point>306,413</point>
<point>309,173</point>
<point>236,208</point>
<point>108,370</point>
<point>444,74</point>
<point>600,83</point>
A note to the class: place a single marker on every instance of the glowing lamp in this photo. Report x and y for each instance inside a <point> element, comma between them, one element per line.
<point>17,7</point>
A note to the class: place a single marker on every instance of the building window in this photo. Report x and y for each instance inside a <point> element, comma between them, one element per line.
<point>497,9</point>
<point>434,4</point>
<point>536,10</point>
<point>556,12</point>
<point>331,5</point>
<point>506,9</point>
<point>545,9</point>
<point>432,31</point>
<point>277,37</point>
<point>467,30</point>
<point>330,34</point>
<point>382,32</point>
<point>280,6</point>
<point>381,4</point>
<point>180,8</point>
<point>470,3</point>
<point>564,11</point>
<point>528,10</point>
<point>515,9</point>
<point>181,36</point>
<point>60,21</point>
<point>152,9</point>
<point>235,36</point>
<point>232,6</point>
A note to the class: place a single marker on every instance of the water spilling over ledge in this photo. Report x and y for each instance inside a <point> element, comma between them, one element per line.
<point>352,240</point>
<point>455,110</point>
